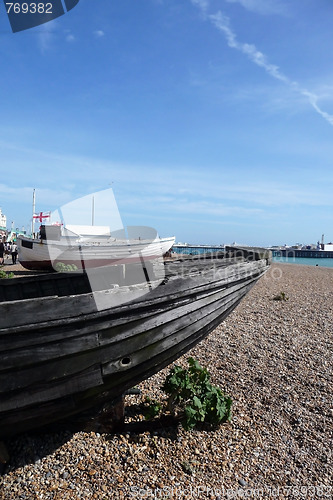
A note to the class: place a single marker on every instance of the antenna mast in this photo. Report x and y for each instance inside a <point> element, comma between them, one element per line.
<point>33,212</point>
<point>93,211</point>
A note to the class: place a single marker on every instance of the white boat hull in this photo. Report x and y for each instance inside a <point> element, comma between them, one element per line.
<point>44,255</point>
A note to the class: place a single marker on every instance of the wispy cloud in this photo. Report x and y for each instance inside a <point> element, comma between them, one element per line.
<point>202,4</point>
<point>218,194</point>
<point>45,37</point>
<point>222,23</point>
<point>183,184</point>
<point>45,195</point>
<point>99,33</point>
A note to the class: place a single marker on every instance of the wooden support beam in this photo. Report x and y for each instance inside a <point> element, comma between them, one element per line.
<point>109,418</point>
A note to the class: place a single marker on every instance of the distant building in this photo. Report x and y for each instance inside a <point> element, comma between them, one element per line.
<point>3,223</point>
<point>328,247</point>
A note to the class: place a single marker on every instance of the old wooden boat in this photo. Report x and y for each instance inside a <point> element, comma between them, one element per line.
<point>70,342</point>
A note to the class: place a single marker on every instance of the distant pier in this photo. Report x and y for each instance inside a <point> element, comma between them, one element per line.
<point>196,249</point>
<point>289,252</point>
<point>312,254</point>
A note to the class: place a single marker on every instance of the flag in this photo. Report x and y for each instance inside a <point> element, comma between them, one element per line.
<point>42,216</point>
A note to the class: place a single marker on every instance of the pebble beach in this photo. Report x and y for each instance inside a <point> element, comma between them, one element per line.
<point>272,357</point>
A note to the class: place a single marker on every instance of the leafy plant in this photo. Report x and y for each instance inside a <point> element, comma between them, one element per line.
<point>4,275</point>
<point>153,409</point>
<point>60,267</point>
<point>281,296</point>
<point>187,467</point>
<point>191,394</point>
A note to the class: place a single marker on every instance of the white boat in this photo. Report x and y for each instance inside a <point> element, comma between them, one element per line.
<point>67,240</point>
<point>89,247</point>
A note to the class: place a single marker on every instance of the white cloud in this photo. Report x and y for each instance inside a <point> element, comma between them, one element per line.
<point>216,193</point>
<point>222,23</point>
<point>99,33</point>
<point>202,4</point>
<point>44,37</point>
<point>70,38</point>
<point>313,99</point>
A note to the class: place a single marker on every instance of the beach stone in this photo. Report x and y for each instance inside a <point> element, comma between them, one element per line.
<point>242,482</point>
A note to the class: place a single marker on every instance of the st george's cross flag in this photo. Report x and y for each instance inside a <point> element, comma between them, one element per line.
<point>42,216</point>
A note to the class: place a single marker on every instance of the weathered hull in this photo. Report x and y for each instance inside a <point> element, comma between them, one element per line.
<point>65,357</point>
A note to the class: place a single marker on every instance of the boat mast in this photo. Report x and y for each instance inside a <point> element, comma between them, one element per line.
<point>33,212</point>
<point>93,211</point>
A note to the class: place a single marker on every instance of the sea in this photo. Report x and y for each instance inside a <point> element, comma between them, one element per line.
<point>304,261</point>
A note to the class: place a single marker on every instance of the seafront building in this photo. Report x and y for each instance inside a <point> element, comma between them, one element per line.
<point>3,224</point>
<point>319,250</point>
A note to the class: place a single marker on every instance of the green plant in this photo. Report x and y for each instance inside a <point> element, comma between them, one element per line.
<point>281,296</point>
<point>187,468</point>
<point>60,267</point>
<point>4,275</point>
<point>191,394</point>
<point>153,409</point>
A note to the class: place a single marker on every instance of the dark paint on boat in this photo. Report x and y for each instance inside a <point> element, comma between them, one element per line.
<point>62,356</point>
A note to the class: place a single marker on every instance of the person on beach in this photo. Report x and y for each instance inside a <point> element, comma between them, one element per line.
<point>2,251</point>
<point>8,249</point>
<point>14,252</point>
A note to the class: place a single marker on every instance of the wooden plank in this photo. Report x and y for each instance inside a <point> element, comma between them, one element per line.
<point>78,332</point>
<point>150,365</point>
<point>43,285</point>
<point>186,327</point>
<point>68,308</point>
<point>53,333</point>
<point>68,346</point>
<point>44,309</point>
<point>145,331</point>
<point>53,411</point>
<point>161,319</point>
<point>37,354</point>
<point>15,422</point>
<point>51,370</point>
<point>43,392</point>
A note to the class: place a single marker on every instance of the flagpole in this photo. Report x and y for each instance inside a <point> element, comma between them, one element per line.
<point>33,212</point>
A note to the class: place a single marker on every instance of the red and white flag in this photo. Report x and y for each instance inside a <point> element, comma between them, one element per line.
<point>42,216</point>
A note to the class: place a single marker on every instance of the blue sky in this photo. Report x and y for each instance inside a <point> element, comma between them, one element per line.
<point>211,119</point>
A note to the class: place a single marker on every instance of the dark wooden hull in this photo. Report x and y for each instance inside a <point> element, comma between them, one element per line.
<point>61,356</point>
